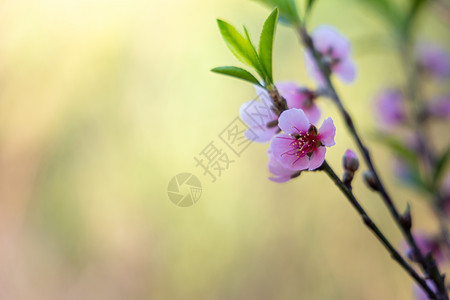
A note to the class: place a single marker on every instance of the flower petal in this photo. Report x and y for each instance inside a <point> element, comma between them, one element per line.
<point>257,114</point>
<point>327,132</point>
<point>294,95</point>
<point>312,113</point>
<point>276,168</point>
<point>440,107</point>
<point>293,121</point>
<point>260,135</point>
<point>280,179</point>
<point>312,69</point>
<point>317,158</point>
<point>434,59</point>
<point>284,150</point>
<point>345,70</point>
<point>327,38</point>
<point>390,108</point>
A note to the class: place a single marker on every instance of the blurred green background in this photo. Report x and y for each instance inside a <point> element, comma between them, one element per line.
<point>103,102</point>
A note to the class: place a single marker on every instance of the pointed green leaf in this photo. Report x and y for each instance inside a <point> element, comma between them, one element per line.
<point>414,10</point>
<point>237,73</point>
<point>266,43</point>
<point>247,36</point>
<point>240,46</point>
<point>309,6</point>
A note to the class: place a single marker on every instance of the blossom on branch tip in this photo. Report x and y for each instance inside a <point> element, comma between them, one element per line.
<point>439,107</point>
<point>335,51</point>
<point>262,120</point>
<point>433,59</point>
<point>257,115</point>
<point>301,146</point>
<point>390,107</point>
<point>300,97</point>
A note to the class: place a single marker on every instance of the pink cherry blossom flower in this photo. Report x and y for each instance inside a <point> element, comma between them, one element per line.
<point>390,107</point>
<point>300,97</point>
<point>434,60</point>
<point>440,107</point>
<point>257,115</point>
<point>335,50</point>
<point>280,173</point>
<point>420,294</point>
<point>301,146</point>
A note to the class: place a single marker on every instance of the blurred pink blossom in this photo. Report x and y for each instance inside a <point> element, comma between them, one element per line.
<point>433,59</point>
<point>440,106</point>
<point>257,114</point>
<point>335,50</point>
<point>300,97</point>
<point>390,107</point>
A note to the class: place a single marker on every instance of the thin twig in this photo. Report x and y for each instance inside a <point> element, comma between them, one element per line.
<point>425,151</point>
<point>428,266</point>
<point>375,230</point>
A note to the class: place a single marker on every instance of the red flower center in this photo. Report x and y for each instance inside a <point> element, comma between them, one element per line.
<point>303,143</point>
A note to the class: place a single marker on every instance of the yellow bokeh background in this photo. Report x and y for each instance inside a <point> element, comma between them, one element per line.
<point>103,102</point>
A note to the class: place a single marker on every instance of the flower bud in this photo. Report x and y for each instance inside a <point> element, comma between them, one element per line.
<point>405,219</point>
<point>371,181</point>
<point>350,161</point>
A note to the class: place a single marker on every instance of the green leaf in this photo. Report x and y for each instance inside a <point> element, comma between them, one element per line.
<point>309,6</point>
<point>398,148</point>
<point>266,43</point>
<point>288,10</point>
<point>247,36</point>
<point>412,176</point>
<point>237,73</point>
<point>414,9</point>
<point>440,166</point>
<point>241,47</point>
<point>410,158</point>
